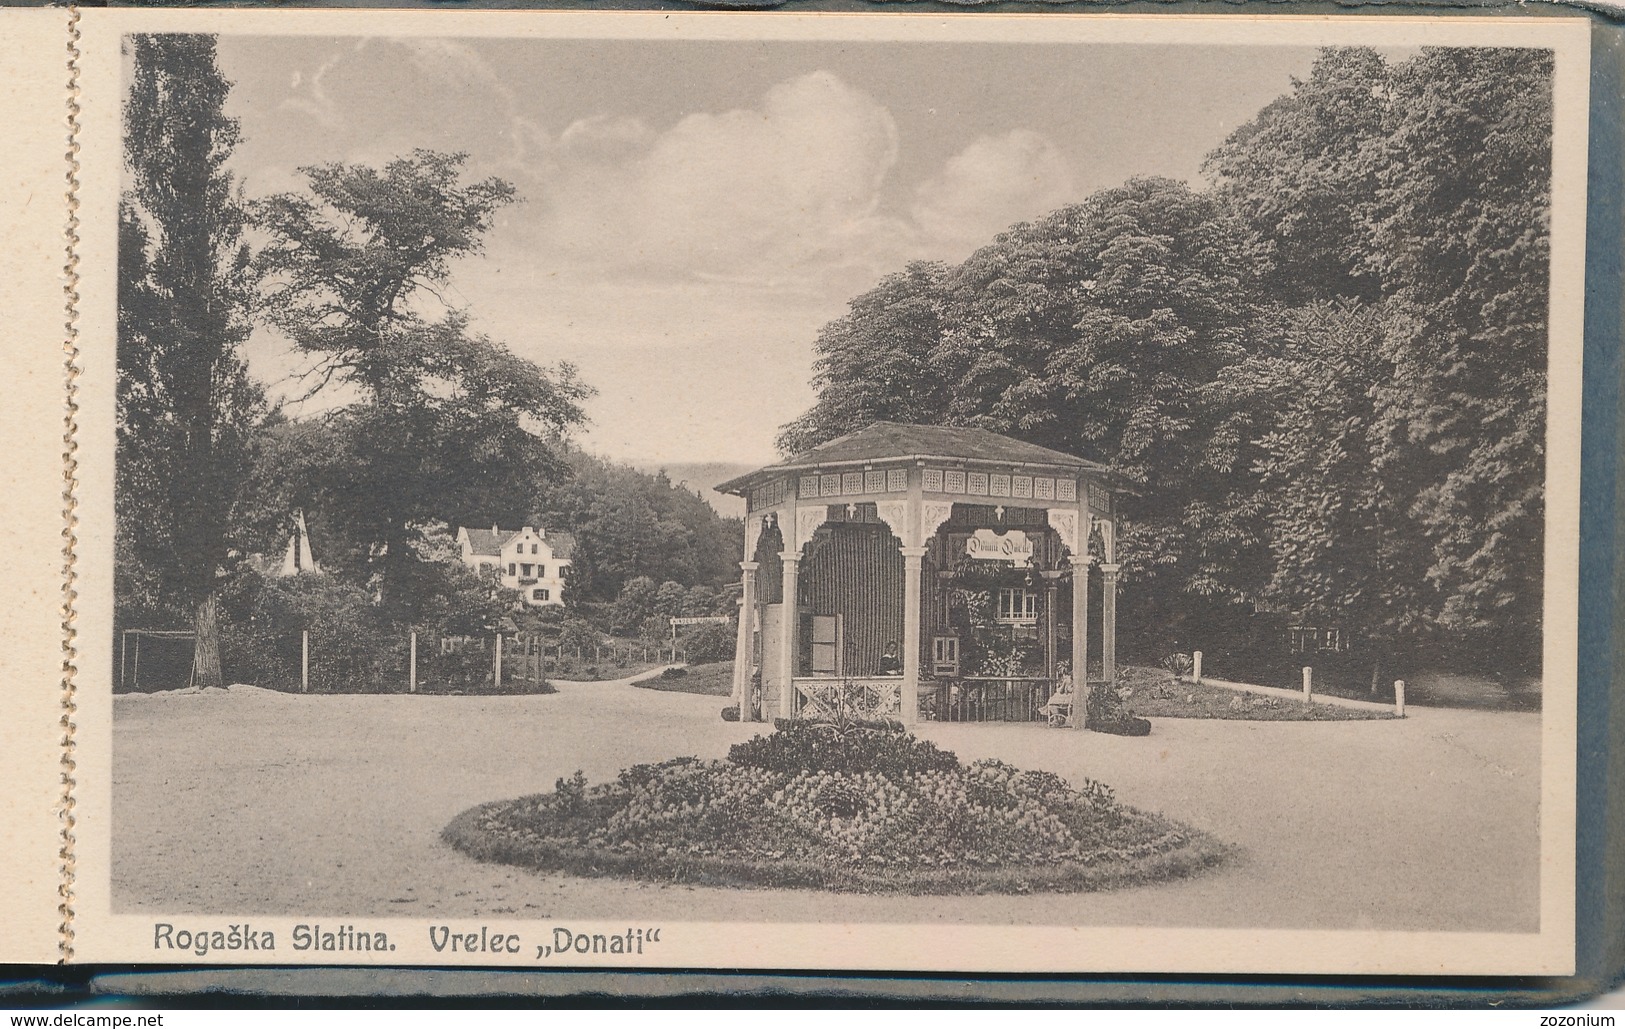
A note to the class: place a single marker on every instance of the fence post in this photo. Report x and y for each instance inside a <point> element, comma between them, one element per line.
<point>496,672</point>
<point>1308,677</point>
<point>304,661</point>
<point>1196,666</point>
<point>1399,697</point>
<point>412,665</point>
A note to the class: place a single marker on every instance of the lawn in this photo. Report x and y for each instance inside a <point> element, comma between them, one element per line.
<point>1149,693</point>
<point>709,680</point>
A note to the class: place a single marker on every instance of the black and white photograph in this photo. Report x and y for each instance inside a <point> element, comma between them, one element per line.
<point>972,493</point>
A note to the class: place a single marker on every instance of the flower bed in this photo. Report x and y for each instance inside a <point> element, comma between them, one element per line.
<point>857,808</point>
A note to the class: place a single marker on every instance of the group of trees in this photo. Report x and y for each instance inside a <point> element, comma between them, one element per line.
<point>1321,377</point>
<point>426,424</point>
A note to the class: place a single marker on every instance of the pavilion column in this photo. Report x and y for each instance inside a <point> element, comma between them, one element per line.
<point>1080,626</point>
<point>1108,628</point>
<point>789,626</point>
<point>912,566</point>
<point>742,643</point>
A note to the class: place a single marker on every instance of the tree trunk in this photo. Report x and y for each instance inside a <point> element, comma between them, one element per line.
<point>1376,673</point>
<point>206,655</point>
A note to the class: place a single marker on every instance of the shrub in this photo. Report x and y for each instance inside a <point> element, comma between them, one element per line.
<point>730,714</point>
<point>801,746</point>
<point>675,672</point>
<point>710,642</point>
<point>1105,713</point>
<point>1180,664</point>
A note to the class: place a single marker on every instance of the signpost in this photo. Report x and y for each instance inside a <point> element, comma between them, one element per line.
<point>695,620</point>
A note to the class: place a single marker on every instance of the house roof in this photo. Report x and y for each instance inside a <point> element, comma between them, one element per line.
<point>485,543</point>
<point>889,441</point>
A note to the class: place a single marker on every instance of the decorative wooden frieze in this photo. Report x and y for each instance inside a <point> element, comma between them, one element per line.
<point>1099,500</point>
<point>953,481</point>
<point>753,534</point>
<point>895,514</point>
<point>931,480</point>
<point>1021,487</point>
<point>1065,524</point>
<point>770,494</point>
<point>808,519</point>
<point>998,485</point>
<point>851,484</point>
<point>1043,489</point>
<point>932,514</point>
<point>1066,489</point>
<point>976,484</point>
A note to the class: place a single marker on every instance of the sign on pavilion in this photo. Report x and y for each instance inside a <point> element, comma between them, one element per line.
<point>932,572</point>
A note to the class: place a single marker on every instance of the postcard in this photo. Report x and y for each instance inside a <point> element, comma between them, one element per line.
<point>874,492</point>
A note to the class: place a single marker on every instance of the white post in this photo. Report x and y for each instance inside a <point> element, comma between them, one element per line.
<point>1399,697</point>
<point>304,661</point>
<point>412,665</point>
<point>1196,666</point>
<point>496,674</point>
<point>789,625</point>
<point>913,562</point>
<point>1308,678</point>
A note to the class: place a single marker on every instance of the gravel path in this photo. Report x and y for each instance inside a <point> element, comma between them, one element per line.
<point>249,801</point>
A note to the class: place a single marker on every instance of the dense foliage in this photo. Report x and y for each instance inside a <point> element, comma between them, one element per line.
<point>866,809</point>
<point>631,525</point>
<point>1322,377</point>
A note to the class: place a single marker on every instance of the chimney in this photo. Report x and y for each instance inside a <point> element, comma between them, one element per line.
<point>494,529</point>
<point>530,528</point>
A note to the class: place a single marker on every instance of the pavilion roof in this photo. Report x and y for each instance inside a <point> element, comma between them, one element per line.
<point>893,441</point>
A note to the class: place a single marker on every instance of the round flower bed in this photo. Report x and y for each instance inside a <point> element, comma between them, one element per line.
<point>864,808</point>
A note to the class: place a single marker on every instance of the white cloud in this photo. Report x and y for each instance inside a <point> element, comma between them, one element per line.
<point>791,184</point>
<point>989,186</point>
<point>311,97</point>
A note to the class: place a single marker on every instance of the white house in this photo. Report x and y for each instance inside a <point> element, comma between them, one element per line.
<point>528,559</point>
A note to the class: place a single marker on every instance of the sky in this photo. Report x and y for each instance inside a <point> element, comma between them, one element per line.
<point>694,211</point>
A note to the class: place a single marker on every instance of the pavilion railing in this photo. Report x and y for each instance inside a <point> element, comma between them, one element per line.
<point>834,699</point>
<point>1018,698</point>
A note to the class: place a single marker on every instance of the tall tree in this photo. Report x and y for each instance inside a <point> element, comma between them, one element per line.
<point>445,424</point>
<point>1426,184</point>
<point>186,406</point>
<point>1303,173</point>
<point>1461,238</point>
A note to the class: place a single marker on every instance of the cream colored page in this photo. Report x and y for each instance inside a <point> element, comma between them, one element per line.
<point>33,212</point>
<point>206,899</point>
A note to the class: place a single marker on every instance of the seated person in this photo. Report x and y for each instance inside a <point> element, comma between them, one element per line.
<point>890,663</point>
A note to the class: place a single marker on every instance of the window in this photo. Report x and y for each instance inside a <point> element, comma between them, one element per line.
<point>533,548</point>
<point>540,594</point>
<point>1018,606</point>
<point>525,570</point>
<point>512,569</point>
<point>824,634</point>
